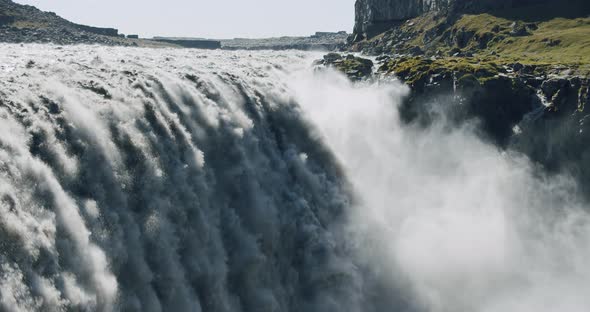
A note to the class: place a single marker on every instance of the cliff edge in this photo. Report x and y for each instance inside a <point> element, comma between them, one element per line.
<point>518,69</point>
<point>372,17</point>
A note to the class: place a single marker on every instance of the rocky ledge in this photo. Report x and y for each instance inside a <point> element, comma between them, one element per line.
<point>354,67</point>
<point>504,97</point>
<point>540,110</point>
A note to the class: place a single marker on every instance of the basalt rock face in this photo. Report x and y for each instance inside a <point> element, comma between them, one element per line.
<point>376,16</point>
<point>540,112</point>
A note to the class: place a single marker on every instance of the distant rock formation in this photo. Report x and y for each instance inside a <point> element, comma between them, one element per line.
<point>320,41</point>
<point>111,32</point>
<point>27,24</point>
<point>192,43</point>
<point>25,15</point>
<point>24,23</point>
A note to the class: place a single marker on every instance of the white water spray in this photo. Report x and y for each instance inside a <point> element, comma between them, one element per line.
<point>452,221</point>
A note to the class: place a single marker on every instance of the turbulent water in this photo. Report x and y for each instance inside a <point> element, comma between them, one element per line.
<point>183,180</point>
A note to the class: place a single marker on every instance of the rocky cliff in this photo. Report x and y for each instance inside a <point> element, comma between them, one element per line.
<point>517,69</point>
<point>375,16</point>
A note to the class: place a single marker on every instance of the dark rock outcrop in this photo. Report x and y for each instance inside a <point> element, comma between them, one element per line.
<point>193,43</point>
<point>375,16</point>
<point>355,68</point>
<point>539,112</point>
<point>111,32</point>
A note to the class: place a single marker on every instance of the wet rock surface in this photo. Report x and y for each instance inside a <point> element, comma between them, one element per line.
<point>356,68</point>
<point>540,112</point>
<point>508,91</point>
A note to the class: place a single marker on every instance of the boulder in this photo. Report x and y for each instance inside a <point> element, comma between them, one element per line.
<point>332,57</point>
<point>416,51</point>
<point>356,68</point>
<point>518,29</point>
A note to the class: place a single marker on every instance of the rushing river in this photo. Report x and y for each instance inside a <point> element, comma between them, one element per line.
<point>183,180</point>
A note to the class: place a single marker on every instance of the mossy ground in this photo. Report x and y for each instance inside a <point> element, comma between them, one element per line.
<point>415,68</point>
<point>490,42</point>
<point>360,65</point>
<point>557,41</point>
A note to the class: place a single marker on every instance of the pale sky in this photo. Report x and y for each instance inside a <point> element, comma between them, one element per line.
<point>218,19</point>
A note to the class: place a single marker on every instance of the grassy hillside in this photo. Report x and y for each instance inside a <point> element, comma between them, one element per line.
<point>485,42</point>
<point>557,41</point>
<point>529,37</point>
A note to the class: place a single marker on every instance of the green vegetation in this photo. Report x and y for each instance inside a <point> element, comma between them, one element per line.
<point>484,43</point>
<point>355,67</point>
<point>497,67</point>
<point>415,69</point>
<point>557,41</point>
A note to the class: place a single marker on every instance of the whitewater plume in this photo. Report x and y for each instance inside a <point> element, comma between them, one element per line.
<point>183,180</point>
<point>446,219</point>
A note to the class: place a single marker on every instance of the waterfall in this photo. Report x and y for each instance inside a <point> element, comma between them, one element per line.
<point>136,179</point>
<point>163,180</point>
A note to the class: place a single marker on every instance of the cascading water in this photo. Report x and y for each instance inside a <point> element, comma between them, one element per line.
<point>151,180</point>
<point>183,180</point>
